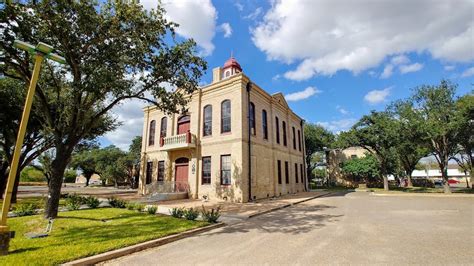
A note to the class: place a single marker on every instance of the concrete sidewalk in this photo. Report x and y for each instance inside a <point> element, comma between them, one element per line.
<point>235,212</point>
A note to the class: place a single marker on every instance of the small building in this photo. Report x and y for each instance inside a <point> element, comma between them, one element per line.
<point>236,142</point>
<point>95,179</point>
<point>336,158</point>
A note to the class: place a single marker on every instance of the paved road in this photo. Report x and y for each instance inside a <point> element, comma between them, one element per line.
<point>354,228</point>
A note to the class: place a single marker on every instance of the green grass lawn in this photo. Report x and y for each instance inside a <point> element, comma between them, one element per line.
<point>84,233</point>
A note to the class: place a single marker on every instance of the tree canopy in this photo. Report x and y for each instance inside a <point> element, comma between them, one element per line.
<point>114,51</point>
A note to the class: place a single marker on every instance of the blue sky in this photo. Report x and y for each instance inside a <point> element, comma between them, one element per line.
<point>341,58</point>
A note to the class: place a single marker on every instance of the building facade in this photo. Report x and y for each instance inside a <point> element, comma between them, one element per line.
<point>236,143</point>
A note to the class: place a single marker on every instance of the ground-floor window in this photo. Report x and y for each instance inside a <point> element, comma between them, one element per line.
<point>225,169</point>
<point>302,173</point>
<point>206,170</point>
<point>149,172</point>
<point>161,171</point>
<point>296,172</point>
<point>287,177</point>
<point>279,171</point>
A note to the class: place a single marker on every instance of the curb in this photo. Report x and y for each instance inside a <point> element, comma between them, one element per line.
<point>113,254</point>
<point>287,205</point>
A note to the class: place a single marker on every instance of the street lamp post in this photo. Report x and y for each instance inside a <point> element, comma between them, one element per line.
<point>40,51</point>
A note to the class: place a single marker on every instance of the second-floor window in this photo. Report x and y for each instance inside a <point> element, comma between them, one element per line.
<point>294,138</point>
<point>206,170</point>
<point>207,128</point>
<point>252,118</point>
<point>161,171</point>
<point>299,140</point>
<point>225,116</point>
<point>277,127</point>
<point>284,133</point>
<point>264,124</point>
<point>163,127</point>
<point>151,134</point>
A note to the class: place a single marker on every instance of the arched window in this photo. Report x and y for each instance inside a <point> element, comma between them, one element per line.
<point>225,116</point>
<point>163,127</point>
<point>207,127</point>
<point>252,118</point>
<point>151,134</point>
<point>264,124</point>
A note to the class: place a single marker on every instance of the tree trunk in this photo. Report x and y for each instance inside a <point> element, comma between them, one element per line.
<point>88,178</point>
<point>444,173</point>
<point>410,184</point>
<point>385,182</point>
<point>15,187</point>
<point>58,166</point>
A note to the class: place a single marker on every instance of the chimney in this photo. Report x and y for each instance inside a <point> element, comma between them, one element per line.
<point>216,74</point>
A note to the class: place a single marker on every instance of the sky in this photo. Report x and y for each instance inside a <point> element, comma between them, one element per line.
<point>333,60</point>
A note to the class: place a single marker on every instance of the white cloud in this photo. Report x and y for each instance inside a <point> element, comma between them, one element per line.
<point>411,68</point>
<point>130,113</point>
<point>255,14</point>
<point>301,95</point>
<point>341,110</point>
<point>327,36</point>
<point>449,68</point>
<point>468,72</point>
<point>338,125</point>
<point>387,71</point>
<point>227,29</point>
<point>239,6</point>
<point>400,60</point>
<point>196,19</point>
<point>377,96</point>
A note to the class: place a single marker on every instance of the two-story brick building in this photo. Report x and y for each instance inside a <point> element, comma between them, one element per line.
<point>207,151</point>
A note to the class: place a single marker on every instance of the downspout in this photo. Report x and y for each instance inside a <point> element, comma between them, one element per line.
<point>249,86</point>
<point>305,169</point>
<point>145,144</point>
<point>198,146</point>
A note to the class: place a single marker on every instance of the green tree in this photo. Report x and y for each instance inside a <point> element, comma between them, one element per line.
<point>410,145</point>
<point>317,138</point>
<point>114,51</point>
<point>465,136</point>
<point>134,152</point>
<point>85,161</point>
<point>364,169</point>
<point>435,107</point>
<point>376,133</point>
<point>110,165</point>
<point>12,98</point>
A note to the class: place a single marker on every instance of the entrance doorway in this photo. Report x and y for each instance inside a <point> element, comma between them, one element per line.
<point>181,174</point>
<point>184,124</point>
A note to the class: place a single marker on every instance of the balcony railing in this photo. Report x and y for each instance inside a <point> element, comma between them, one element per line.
<point>178,142</point>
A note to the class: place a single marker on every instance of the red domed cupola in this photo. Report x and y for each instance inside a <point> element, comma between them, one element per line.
<point>231,67</point>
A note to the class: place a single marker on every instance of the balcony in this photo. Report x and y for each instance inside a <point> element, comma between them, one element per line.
<point>178,142</point>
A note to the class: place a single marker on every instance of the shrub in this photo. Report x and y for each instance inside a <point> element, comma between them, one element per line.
<point>151,209</point>
<point>191,214</point>
<point>139,207</point>
<point>92,202</point>
<point>422,182</point>
<point>25,209</point>
<point>211,216</point>
<point>74,202</point>
<point>131,206</point>
<point>117,203</point>
<point>177,212</point>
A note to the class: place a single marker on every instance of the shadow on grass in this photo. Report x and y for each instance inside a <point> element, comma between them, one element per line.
<point>21,250</point>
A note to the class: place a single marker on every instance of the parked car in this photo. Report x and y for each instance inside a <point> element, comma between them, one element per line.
<point>438,182</point>
<point>453,181</point>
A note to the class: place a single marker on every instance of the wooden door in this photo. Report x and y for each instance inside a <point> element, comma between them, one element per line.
<point>181,174</point>
<point>184,124</point>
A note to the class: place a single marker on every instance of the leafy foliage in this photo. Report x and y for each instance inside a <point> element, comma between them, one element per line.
<point>25,209</point>
<point>317,138</point>
<point>117,203</point>
<point>92,202</point>
<point>151,209</point>
<point>114,51</point>
<point>191,214</point>
<point>211,216</point>
<point>365,169</point>
<point>74,201</point>
<point>177,212</point>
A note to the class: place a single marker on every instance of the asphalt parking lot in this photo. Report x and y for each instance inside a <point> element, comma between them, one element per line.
<point>346,228</point>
